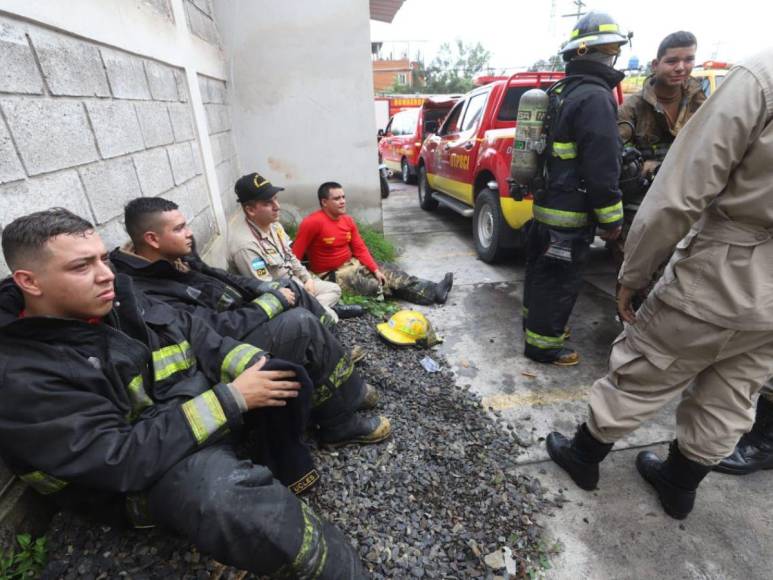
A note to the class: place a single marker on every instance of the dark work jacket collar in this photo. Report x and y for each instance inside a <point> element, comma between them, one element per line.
<point>134,265</point>
<point>610,76</point>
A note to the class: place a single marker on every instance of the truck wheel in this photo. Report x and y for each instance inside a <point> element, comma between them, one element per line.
<point>384,184</point>
<point>489,227</point>
<point>405,172</point>
<point>426,201</point>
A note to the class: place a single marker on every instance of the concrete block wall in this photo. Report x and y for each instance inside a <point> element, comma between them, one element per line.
<point>199,16</point>
<point>214,95</point>
<point>90,127</point>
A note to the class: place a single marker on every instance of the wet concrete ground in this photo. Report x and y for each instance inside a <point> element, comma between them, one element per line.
<point>619,531</point>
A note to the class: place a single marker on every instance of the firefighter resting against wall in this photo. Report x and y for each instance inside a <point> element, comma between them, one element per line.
<point>161,261</point>
<point>111,399</point>
<point>331,241</point>
<point>259,247</point>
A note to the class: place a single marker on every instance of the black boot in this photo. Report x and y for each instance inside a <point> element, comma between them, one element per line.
<point>443,287</point>
<point>754,451</point>
<point>348,310</point>
<point>579,457</point>
<point>675,479</point>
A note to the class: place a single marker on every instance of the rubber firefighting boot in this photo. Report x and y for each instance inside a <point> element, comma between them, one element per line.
<point>348,310</point>
<point>443,287</point>
<point>342,561</point>
<point>370,399</point>
<point>356,429</point>
<point>675,479</point>
<point>754,451</point>
<point>580,456</point>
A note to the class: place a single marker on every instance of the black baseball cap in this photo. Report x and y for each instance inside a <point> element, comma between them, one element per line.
<point>255,187</point>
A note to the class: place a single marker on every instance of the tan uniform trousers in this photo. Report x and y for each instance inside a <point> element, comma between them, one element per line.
<point>717,371</point>
<point>327,294</point>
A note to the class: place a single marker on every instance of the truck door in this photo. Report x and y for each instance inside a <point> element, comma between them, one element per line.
<point>438,169</point>
<point>463,150</point>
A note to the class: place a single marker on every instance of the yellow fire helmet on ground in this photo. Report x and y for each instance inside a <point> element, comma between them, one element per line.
<point>407,328</point>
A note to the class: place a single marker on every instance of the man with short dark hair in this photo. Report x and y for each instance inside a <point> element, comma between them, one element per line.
<point>650,120</point>
<point>160,260</point>
<point>331,241</point>
<point>259,247</point>
<point>111,398</point>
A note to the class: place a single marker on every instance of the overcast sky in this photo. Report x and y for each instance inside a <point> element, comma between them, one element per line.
<point>517,32</point>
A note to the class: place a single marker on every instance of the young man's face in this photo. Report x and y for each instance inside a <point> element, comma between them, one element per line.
<point>674,66</point>
<point>74,279</point>
<point>263,213</point>
<point>335,203</point>
<point>172,235</point>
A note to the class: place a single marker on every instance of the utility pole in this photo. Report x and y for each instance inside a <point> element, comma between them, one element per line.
<point>580,5</point>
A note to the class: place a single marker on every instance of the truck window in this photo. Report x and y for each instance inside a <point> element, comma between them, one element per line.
<point>509,109</point>
<point>474,111</point>
<point>705,85</point>
<point>452,121</point>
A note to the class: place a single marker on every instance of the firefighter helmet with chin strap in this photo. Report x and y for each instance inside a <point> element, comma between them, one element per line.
<point>595,29</point>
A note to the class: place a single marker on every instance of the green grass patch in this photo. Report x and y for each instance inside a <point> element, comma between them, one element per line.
<point>380,248</point>
<point>24,560</point>
<point>378,308</point>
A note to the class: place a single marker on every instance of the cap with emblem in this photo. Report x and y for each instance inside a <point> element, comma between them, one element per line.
<point>255,187</point>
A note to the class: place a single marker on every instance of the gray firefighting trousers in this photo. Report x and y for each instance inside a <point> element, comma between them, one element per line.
<point>297,336</point>
<point>239,514</point>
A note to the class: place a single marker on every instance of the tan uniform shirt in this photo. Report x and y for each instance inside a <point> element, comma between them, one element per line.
<point>718,180</point>
<point>266,256</point>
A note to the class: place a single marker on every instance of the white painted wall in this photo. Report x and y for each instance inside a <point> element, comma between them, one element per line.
<point>302,97</point>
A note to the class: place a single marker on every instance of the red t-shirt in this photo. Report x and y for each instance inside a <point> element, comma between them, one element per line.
<point>329,243</point>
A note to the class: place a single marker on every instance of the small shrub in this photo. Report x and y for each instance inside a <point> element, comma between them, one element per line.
<point>25,561</point>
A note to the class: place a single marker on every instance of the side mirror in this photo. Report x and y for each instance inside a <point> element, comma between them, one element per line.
<point>431,127</point>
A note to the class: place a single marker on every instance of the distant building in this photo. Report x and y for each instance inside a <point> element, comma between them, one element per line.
<point>388,72</point>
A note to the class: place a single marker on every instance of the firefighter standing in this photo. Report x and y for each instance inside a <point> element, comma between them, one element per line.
<point>582,168</point>
<point>649,122</point>
<point>705,332</point>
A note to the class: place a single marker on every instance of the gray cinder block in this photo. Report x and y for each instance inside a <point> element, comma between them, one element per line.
<point>109,185</point>
<point>50,134</point>
<point>115,126</point>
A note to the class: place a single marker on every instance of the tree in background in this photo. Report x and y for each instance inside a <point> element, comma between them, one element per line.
<point>451,71</point>
<point>554,63</point>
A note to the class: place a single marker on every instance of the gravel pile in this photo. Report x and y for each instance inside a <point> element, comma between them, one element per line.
<point>441,499</point>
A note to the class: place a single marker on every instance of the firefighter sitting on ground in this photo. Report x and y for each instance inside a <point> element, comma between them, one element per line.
<point>331,241</point>
<point>649,122</point>
<point>579,191</point>
<point>113,400</point>
<point>259,247</point>
<point>160,260</point>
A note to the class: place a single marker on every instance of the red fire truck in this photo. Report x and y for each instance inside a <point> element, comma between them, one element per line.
<point>401,140</point>
<point>465,165</point>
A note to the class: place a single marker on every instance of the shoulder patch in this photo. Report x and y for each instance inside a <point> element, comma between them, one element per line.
<point>258,264</point>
